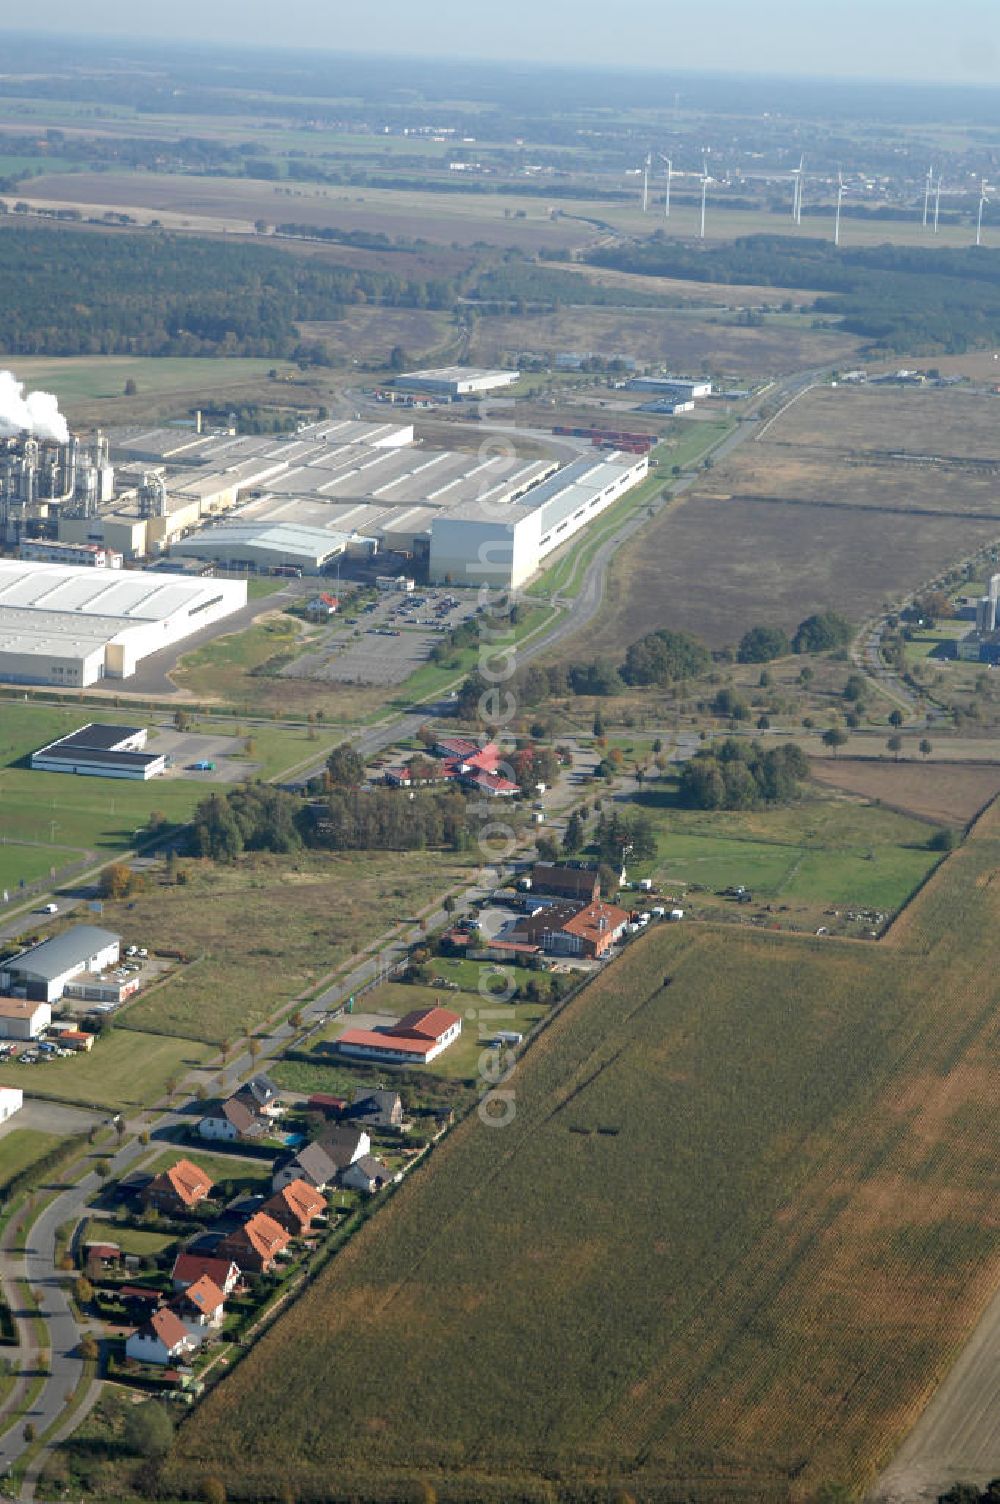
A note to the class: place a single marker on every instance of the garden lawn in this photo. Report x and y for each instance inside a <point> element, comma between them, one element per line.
<point>135,1240</point>
<point>228,1167</point>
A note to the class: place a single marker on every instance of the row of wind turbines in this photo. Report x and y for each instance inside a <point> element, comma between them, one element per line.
<point>932,190</point>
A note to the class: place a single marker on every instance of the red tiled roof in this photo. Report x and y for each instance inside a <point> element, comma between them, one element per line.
<point>369,1039</point>
<point>300,1199</point>
<point>168,1326</point>
<point>187,1182</point>
<point>265,1236</point>
<point>189,1267</point>
<point>588,922</point>
<point>205,1294</point>
<point>425,1023</point>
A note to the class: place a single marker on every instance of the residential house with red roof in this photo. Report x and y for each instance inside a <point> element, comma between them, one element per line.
<point>162,1339</point>
<point>189,1267</point>
<point>201,1305</point>
<point>295,1206</point>
<point>256,1245</point>
<point>178,1189</point>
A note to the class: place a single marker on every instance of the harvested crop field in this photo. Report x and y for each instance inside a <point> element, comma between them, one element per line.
<point>740,1219</point>
<point>951,792</point>
<point>952,424</point>
<point>237,202</point>
<point>688,340</point>
<point>771,562</point>
<point>874,483</point>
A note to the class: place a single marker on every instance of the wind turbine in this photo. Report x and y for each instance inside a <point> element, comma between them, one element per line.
<point>927,191</point>
<point>645,180</point>
<point>840,200</point>
<point>670,173</point>
<point>705,180</point>
<point>797,191</point>
<point>937,205</point>
<point>983,200</point>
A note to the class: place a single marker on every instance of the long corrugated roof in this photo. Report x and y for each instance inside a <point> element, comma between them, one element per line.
<point>53,958</point>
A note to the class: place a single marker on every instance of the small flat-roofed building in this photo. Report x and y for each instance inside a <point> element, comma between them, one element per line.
<point>21,1019</point>
<point>101,750</point>
<point>41,973</point>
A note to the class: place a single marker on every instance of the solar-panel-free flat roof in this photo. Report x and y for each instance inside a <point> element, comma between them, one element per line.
<point>98,735</point>
<point>106,757</point>
<point>53,958</point>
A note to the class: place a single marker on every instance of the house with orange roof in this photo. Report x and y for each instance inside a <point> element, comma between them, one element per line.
<point>295,1206</point>
<point>201,1305</point>
<point>162,1339</point>
<point>256,1245</point>
<point>178,1189</point>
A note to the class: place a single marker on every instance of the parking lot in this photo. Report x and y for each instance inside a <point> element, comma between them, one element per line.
<point>52,1117</point>
<point>183,748</point>
<point>390,640</point>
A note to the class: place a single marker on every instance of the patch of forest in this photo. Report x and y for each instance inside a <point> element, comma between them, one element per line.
<point>901,298</point>
<point>122,292</point>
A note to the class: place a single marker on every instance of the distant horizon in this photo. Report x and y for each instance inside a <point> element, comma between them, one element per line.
<point>888,42</point>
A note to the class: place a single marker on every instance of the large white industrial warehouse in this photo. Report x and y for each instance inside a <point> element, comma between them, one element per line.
<point>256,503</point>
<point>74,627</point>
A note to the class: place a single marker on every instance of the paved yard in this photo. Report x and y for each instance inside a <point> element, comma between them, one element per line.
<point>52,1117</point>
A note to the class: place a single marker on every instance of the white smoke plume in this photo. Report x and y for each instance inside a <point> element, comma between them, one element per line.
<point>36,412</point>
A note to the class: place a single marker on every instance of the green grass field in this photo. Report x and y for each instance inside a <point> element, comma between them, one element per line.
<point>746,1190</point>
<point>75,378</point>
<point>93,814</point>
<point>20,1148</point>
<point>137,1240</point>
<point>815,852</point>
<point>122,1070</point>
<point>26,863</point>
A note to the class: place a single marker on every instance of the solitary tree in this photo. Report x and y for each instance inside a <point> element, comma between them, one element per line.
<point>148,1429</point>
<point>895,746</point>
<point>925,748</point>
<point>895,719</point>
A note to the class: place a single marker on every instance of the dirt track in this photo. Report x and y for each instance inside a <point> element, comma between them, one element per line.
<point>957,1439</point>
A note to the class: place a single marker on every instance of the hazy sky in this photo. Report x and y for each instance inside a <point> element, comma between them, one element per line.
<point>947,40</point>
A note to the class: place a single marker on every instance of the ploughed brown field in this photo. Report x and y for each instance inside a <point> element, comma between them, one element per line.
<point>949,791</point>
